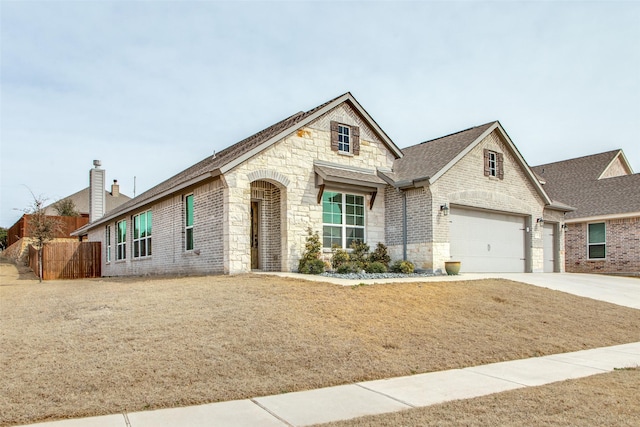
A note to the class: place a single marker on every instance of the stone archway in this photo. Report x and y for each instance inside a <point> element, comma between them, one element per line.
<point>266,226</point>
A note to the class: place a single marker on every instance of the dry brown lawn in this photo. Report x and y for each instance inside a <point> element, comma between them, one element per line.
<point>90,347</point>
<point>601,400</point>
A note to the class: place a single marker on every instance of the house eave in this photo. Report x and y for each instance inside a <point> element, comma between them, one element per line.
<point>604,217</point>
<point>108,217</point>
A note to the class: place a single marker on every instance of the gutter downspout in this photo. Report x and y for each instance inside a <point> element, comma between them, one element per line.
<point>404,225</point>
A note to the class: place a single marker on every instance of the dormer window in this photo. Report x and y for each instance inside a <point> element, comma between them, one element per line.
<point>493,164</point>
<point>345,139</point>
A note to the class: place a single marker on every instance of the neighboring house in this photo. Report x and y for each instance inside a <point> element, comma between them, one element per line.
<point>81,200</point>
<point>603,232</point>
<point>19,232</point>
<point>468,196</point>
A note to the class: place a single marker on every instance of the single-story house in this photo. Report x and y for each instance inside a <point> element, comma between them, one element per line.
<point>603,232</point>
<point>469,197</point>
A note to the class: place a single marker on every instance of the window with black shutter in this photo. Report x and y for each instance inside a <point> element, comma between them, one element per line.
<point>345,139</point>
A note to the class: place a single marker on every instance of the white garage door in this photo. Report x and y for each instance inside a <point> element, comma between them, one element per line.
<point>487,241</point>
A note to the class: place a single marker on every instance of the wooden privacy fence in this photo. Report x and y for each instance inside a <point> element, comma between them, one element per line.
<point>67,260</point>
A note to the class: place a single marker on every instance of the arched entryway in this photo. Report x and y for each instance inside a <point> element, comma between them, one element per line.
<point>266,226</point>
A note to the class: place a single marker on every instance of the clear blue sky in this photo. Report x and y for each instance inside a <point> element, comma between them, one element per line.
<point>151,88</point>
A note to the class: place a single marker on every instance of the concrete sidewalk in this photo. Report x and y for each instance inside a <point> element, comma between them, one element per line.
<point>377,397</point>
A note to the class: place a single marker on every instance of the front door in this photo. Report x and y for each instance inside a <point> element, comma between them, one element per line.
<point>255,233</point>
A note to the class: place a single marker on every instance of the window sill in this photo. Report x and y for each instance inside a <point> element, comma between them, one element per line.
<point>142,258</point>
<point>344,153</point>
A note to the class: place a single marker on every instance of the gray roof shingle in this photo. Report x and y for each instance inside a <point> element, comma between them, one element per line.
<point>222,158</point>
<point>424,160</point>
<point>575,182</point>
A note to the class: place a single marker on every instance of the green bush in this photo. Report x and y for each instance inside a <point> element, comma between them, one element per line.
<point>310,263</point>
<point>359,253</point>
<point>376,267</point>
<point>405,267</point>
<point>314,266</point>
<point>348,267</point>
<point>380,254</point>
<point>340,257</point>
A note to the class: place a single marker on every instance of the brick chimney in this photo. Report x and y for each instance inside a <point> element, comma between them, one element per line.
<point>97,203</point>
<point>115,188</point>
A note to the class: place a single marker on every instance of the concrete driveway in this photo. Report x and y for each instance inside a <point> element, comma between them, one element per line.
<point>618,290</point>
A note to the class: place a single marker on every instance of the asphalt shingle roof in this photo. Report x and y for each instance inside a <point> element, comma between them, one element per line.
<point>222,158</point>
<point>575,182</point>
<point>426,159</point>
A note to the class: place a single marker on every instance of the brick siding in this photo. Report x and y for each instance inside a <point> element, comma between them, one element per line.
<point>622,247</point>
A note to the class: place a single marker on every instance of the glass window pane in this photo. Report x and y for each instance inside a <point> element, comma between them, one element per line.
<point>136,226</point>
<point>189,210</point>
<point>149,246</point>
<point>596,251</point>
<point>596,233</point>
<point>149,223</point>
<point>354,234</point>
<point>143,247</point>
<point>136,249</point>
<point>189,239</point>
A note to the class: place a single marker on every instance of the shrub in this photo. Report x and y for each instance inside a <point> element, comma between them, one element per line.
<point>405,267</point>
<point>359,254</point>
<point>310,263</point>
<point>376,267</point>
<point>314,266</point>
<point>348,267</point>
<point>381,255</point>
<point>340,257</point>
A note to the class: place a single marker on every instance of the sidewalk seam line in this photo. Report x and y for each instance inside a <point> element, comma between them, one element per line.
<point>386,395</point>
<point>273,414</point>
<point>126,419</point>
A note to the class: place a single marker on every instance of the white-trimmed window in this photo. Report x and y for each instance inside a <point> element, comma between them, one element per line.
<point>344,139</point>
<point>188,223</point>
<point>342,219</point>
<point>596,238</point>
<point>142,235</point>
<point>493,164</point>
<point>121,240</point>
<point>493,170</point>
<point>107,240</point>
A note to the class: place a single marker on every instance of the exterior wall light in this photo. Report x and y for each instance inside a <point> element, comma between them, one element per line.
<point>540,220</point>
<point>444,209</point>
<point>564,227</point>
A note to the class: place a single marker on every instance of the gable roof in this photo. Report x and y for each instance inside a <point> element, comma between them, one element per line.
<point>423,161</point>
<point>241,151</point>
<point>429,160</point>
<point>578,182</point>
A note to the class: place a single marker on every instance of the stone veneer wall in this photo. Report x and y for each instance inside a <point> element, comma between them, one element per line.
<point>622,247</point>
<point>168,237</point>
<point>288,164</point>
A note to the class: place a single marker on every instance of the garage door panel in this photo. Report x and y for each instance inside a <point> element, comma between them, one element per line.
<point>487,241</point>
